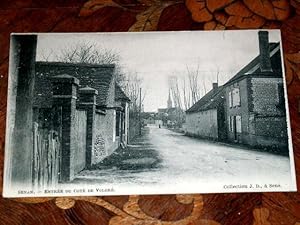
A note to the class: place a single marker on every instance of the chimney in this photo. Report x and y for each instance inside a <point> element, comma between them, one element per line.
<point>215,86</point>
<point>264,51</point>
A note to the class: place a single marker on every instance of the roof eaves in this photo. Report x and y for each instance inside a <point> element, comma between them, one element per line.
<point>198,106</point>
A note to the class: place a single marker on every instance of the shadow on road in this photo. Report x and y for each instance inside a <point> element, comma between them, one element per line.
<point>140,155</point>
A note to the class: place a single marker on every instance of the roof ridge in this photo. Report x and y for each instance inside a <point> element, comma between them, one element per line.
<point>245,68</point>
<point>205,99</point>
<point>98,77</point>
<point>119,91</point>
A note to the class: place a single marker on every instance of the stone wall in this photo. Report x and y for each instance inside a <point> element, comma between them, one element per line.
<point>105,141</point>
<point>99,149</point>
<point>88,117</point>
<point>88,134</point>
<point>266,95</point>
<point>80,140</point>
<point>202,124</point>
<point>269,132</point>
<point>271,126</point>
<point>262,112</point>
<point>64,99</point>
<point>269,110</point>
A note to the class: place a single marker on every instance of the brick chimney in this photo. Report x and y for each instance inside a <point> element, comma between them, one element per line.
<point>215,86</point>
<point>264,51</point>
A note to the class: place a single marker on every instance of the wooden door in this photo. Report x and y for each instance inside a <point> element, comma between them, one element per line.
<point>234,128</point>
<point>46,148</point>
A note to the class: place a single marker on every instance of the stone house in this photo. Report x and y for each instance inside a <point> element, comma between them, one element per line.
<point>249,108</point>
<point>95,123</point>
<point>255,107</point>
<point>206,118</point>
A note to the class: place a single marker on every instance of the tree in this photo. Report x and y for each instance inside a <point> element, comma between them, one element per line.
<point>185,93</point>
<point>178,115</point>
<point>191,86</point>
<point>132,85</point>
<point>194,84</point>
<point>85,52</point>
<point>174,88</point>
<point>91,53</point>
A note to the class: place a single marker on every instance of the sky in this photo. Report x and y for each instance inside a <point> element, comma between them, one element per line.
<point>156,55</point>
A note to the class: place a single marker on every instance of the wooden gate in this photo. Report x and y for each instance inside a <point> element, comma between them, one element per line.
<point>47,147</point>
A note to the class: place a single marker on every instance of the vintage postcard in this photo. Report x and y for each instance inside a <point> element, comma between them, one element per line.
<point>147,113</point>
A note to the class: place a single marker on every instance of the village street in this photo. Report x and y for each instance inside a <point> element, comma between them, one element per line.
<point>161,156</point>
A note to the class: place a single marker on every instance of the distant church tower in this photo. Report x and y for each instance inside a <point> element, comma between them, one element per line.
<point>169,101</point>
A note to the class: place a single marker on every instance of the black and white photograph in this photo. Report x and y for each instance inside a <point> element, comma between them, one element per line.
<point>147,113</point>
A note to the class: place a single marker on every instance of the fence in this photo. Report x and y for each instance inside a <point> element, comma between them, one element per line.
<point>46,147</point>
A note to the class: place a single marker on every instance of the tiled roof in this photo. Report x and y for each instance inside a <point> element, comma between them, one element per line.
<point>215,97</point>
<point>119,94</point>
<point>208,101</point>
<point>172,110</point>
<point>168,110</point>
<point>162,110</point>
<point>255,63</point>
<point>95,76</point>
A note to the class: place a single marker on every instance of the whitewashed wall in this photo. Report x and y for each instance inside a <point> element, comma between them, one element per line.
<point>202,124</point>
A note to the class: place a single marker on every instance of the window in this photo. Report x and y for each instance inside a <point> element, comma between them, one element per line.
<point>235,124</point>
<point>234,97</point>
<point>238,124</point>
<point>236,100</point>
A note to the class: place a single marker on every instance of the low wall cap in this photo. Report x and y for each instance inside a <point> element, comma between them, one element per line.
<point>88,90</point>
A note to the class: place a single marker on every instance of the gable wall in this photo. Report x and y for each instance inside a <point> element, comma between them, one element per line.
<point>265,95</point>
<point>269,125</point>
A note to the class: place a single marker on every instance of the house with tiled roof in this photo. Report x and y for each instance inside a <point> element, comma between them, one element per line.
<point>99,77</point>
<point>206,118</point>
<point>255,106</point>
<point>97,119</point>
<point>249,108</point>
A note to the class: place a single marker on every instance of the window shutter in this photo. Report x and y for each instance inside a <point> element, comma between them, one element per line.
<point>230,99</point>
<point>238,98</point>
<point>238,124</point>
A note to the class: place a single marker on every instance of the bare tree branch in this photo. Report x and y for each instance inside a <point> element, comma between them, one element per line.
<point>85,52</point>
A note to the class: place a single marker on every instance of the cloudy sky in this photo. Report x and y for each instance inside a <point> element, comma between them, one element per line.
<point>157,55</point>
